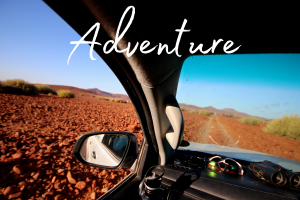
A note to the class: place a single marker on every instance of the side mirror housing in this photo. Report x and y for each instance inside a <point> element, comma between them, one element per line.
<point>106,150</point>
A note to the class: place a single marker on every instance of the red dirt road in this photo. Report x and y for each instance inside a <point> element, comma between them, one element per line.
<point>228,131</point>
<point>37,137</point>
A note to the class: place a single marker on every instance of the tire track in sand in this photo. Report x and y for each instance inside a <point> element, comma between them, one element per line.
<point>204,133</point>
<point>217,134</point>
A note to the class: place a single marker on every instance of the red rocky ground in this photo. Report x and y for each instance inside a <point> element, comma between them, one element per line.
<point>38,133</point>
<point>229,131</point>
<point>37,137</point>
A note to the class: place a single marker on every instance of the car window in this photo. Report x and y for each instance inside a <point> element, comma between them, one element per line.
<point>38,132</point>
<point>246,101</point>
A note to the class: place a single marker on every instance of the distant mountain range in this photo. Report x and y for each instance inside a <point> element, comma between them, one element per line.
<point>108,94</point>
<point>225,111</point>
<point>96,91</point>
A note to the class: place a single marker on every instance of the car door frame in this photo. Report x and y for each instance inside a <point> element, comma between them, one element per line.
<point>128,187</point>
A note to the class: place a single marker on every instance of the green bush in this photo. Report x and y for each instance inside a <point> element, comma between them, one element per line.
<point>101,98</point>
<point>182,109</point>
<point>288,126</point>
<point>253,120</point>
<point>18,86</point>
<point>49,94</point>
<point>191,111</point>
<point>261,121</point>
<point>44,89</point>
<point>249,120</point>
<point>203,112</point>
<point>65,94</point>
<point>119,100</point>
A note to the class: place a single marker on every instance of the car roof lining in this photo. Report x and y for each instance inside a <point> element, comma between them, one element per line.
<point>256,33</point>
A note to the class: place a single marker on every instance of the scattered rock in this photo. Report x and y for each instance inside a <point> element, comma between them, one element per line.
<point>41,140</point>
<point>70,178</point>
<point>94,184</point>
<point>63,181</point>
<point>104,190</point>
<point>17,134</point>
<point>87,179</point>
<point>17,156</point>
<point>22,183</point>
<point>9,190</point>
<point>53,179</point>
<point>58,197</point>
<point>36,176</point>
<point>93,195</point>
<point>80,185</point>
<point>104,172</point>
<point>17,169</point>
<point>16,195</point>
<point>60,171</point>
<point>64,143</point>
<point>57,185</point>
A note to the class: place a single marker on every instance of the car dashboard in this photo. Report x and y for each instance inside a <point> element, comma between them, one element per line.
<point>187,177</point>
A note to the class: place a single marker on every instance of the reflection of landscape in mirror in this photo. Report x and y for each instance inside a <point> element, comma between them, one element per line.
<point>104,149</point>
<point>244,101</point>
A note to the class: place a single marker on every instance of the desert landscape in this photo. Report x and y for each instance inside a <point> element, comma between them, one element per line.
<point>37,137</point>
<point>38,133</point>
<point>229,131</point>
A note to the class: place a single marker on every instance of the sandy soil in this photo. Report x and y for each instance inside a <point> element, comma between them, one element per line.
<point>37,137</point>
<point>228,131</point>
<point>38,133</point>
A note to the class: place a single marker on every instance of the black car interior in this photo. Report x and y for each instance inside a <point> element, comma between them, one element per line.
<point>258,28</point>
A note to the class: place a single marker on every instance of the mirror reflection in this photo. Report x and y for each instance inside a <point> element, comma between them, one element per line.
<point>104,149</point>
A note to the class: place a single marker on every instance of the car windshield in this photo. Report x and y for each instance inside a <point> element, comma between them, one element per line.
<point>249,101</point>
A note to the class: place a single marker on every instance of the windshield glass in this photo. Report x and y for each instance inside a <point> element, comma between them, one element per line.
<point>246,101</point>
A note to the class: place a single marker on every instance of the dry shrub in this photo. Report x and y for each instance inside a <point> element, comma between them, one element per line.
<point>182,109</point>
<point>44,89</point>
<point>203,112</point>
<point>253,120</point>
<point>128,101</point>
<point>261,121</point>
<point>191,111</point>
<point>119,100</point>
<point>49,94</point>
<point>81,94</point>
<point>288,126</point>
<point>18,86</point>
<point>65,94</point>
<point>249,120</point>
<point>101,98</point>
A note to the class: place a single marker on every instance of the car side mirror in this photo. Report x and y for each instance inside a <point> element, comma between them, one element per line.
<point>106,150</point>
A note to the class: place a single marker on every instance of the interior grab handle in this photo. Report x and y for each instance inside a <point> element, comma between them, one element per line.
<point>174,114</point>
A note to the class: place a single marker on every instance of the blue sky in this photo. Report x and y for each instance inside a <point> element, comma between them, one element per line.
<point>35,46</point>
<point>264,85</point>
